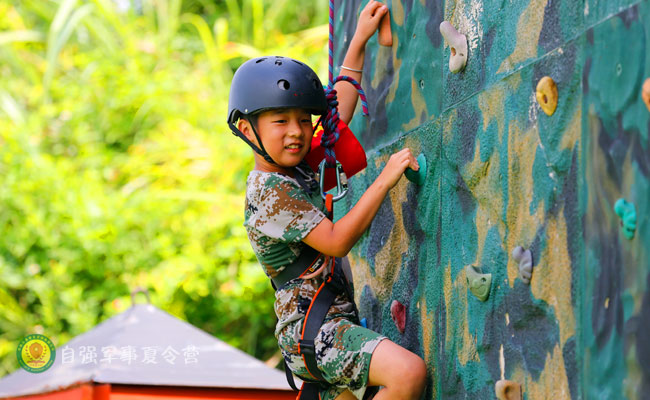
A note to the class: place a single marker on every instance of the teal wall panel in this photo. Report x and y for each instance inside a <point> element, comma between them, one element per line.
<point>502,173</point>
<point>617,165</point>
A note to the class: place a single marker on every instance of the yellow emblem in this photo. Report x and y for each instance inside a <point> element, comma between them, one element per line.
<point>36,353</point>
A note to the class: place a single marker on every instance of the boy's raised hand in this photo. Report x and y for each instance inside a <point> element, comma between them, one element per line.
<point>369,20</point>
<point>367,24</point>
<point>396,166</point>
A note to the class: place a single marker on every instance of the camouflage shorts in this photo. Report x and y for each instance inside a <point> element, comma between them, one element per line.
<point>343,352</point>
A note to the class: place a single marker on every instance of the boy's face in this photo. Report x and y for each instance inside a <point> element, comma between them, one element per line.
<point>285,133</point>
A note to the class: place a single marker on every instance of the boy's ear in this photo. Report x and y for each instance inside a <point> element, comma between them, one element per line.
<point>245,127</point>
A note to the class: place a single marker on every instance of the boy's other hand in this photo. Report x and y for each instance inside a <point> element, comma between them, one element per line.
<point>369,20</point>
<point>396,166</point>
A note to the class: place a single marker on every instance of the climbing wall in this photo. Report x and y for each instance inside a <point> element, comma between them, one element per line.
<point>502,173</point>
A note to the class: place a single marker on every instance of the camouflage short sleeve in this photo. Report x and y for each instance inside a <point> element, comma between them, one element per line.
<point>278,216</point>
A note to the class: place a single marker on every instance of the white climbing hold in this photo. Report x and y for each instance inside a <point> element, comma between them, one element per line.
<point>458,45</point>
<point>525,260</point>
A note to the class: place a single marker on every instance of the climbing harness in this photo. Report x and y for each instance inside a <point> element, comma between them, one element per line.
<point>334,284</point>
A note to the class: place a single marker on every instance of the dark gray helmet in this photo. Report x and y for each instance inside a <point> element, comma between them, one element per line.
<point>267,83</point>
<point>275,82</point>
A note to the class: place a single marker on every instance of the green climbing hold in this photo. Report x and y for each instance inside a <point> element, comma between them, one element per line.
<point>420,175</point>
<point>627,213</point>
<point>479,284</point>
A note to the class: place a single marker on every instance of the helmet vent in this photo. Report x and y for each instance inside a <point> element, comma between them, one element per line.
<point>283,84</point>
<point>260,60</point>
<point>297,62</point>
<point>316,84</point>
<point>278,62</point>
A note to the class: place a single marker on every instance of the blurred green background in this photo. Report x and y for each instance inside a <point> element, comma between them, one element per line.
<point>118,169</point>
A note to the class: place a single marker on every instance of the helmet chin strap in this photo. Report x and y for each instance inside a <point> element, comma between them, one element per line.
<point>262,152</point>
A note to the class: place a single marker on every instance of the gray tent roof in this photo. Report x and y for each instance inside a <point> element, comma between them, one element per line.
<point>182,355</point>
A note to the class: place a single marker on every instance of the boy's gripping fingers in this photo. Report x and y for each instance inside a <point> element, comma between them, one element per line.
<point>396,166</point>
<point>369,20</point>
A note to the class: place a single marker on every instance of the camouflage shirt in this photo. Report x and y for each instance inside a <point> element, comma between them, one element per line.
<point>280,211</point>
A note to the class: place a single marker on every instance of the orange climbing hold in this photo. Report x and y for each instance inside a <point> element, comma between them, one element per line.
<point>385,33</point>
<point>398,313</point>
<point>547,95</point>
<point>645,93</point>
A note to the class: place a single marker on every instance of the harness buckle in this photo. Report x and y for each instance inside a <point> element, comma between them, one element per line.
<point>335,281</point>
<point>307,347</point>
<point>341,188</point>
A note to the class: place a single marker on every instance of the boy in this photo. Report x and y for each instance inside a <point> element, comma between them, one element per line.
<point>271,102</point>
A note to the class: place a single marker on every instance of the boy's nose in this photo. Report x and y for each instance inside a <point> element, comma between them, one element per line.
<point>295,129</point>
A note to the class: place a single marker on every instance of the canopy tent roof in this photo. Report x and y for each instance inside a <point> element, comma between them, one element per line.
<point>146,346</point>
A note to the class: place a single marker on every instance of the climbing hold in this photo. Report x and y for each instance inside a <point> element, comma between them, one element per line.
<point>458,44</point>
<point>507,390</point>
<point>398,313</point>
<point>364,322</point>
<point>385,35</point>
<point>627,213</point>
<point>525,260</point>
<point>547,95</point>
<point>479,284</point>
<point>645,93</point>
<point>418,176</point>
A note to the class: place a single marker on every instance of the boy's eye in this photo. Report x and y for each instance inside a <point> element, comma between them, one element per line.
<point>280,121</point>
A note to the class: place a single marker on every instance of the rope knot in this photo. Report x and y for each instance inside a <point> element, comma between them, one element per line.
<point>331,119</point>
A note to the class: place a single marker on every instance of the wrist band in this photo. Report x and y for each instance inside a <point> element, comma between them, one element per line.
<point>350,69</point>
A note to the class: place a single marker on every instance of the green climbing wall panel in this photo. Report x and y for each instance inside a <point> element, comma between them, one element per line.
<point>501,174</point>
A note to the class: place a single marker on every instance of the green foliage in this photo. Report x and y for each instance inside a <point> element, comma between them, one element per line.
<point>118,169</point>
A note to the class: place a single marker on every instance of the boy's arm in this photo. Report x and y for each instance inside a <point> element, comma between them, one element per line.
<point>336,239</point>
<point>368,23</point>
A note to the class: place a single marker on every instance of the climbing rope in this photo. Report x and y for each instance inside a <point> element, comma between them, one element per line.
<point>331,119</point>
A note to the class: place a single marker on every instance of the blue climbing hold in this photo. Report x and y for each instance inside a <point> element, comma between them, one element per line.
<point>627,213</point>
<point>420,175</point>
<point>364,322</point>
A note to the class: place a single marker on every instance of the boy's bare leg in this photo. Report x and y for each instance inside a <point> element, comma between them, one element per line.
<point>402,373</point>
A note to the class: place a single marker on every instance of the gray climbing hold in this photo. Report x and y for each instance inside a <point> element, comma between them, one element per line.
<point>479,284</point>
<point>525,260</point>
<point>420,175</point>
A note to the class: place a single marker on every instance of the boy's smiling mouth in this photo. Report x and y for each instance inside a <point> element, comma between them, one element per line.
<point>294,147</point>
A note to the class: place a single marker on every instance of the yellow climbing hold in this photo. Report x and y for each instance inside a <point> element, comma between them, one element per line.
<point>547,95</point>
<point>479,284</point>
<point>508,390</point>
<point>645,93</point>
